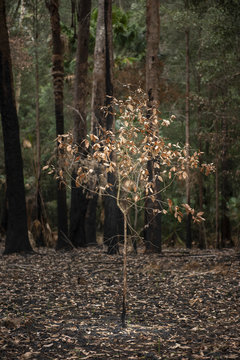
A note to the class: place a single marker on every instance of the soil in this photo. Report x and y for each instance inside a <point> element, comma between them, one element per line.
<point>67,305</point>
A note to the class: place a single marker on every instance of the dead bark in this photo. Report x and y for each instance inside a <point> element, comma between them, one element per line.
<point>17,232</point>
<point>58,78</point>
<point>152,230</point>
<point>79,218</point>
<point>187,144</point>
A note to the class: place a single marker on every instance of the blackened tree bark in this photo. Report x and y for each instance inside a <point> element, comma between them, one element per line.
<point>58,78</point>
<point>82,221</point>
<point>113,220</point>
<point>189,216</point>
<point>39,202</point>
<point>102,88</point>
<point>202,230</point>
<point>17,232</point>
<point>226,189</point>
<point>152,231</point>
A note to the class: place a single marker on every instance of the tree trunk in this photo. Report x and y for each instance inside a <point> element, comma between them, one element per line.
<point>124,303</point>
<point>99,82</point>
<point>152,230</point>
<point>39,211</point>
<point>189,216</point>
<point>17,232</point>
<point>217,205</point>
<point>226,191</point>
<point>80,231</point>
<point>99,73</point>
<point>202,242</point>
<point>18,80</point>
<point>113,220</point>
<point>58,78</point>
<point>102,86</point>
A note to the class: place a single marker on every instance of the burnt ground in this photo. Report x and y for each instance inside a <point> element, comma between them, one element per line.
<point>67,305</point>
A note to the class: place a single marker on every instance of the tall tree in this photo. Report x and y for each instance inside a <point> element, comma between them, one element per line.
<point>39,203</point>
<point>187,140</point>
<point>226,186</point>
<point>152,231</point>
<point>82,221</point>
<point>58,79</point>
<point>101,94</point>
<point>17,232</point>
<point>99,73</point>
<point>113,219</point>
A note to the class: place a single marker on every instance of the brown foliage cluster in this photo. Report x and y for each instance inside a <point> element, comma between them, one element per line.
<point>126,152</point>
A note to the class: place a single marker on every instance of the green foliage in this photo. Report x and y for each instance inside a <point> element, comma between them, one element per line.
<point>128,35</point>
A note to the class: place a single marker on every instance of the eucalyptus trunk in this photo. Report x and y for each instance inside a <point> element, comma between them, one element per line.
<point>99,73</point>
<point>113,220</point>
<point>17,232</point>
<point>102,88</point>
<point>217,227</point>
<point>82,221</point>
<point>226,188</point>
<point>152,231</point>
<point>187,144</point>
<point>39,203</point>
<point>58,79</point>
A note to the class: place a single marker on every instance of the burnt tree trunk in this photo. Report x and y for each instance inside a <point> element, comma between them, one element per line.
<point>17,232</point>
<point>187,140</point>
<point>152,230</point>
<point>113,217</point>
<point>102,86</point>
<point>39,203</point>
<point>58,78</point>
<point>226,190</point>
<point>82,221</point>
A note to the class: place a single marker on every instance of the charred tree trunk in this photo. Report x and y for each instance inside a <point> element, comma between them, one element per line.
<point>39,211</point>
<point>217,227</point>
<point>102,86</point>
<point>99,74</point>
<point>113,217</point>
<point>226,191</point>
<point>17,232</point>
<point>152,230</point>
<point>58,78</point>
<point>189,216</point>
<point>82,221</point>
<point>202,242</point>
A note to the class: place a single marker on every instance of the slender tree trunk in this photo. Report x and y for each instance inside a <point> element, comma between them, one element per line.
<point>152,231</point>
<point>226,191</point>
<point>18,81</point>
<point>102,86</point>
<point>38,149</point>
<point>189,217</point>
<point>82,221</point>
<point>217,205</point>
<point>202,242</point>
<point>58,78</point>
<point>113,217</point>
<point>99,73</point>
<point>17,232</point>
<point>99,82</point>
<point>124,303</point>
<point>18,84</point>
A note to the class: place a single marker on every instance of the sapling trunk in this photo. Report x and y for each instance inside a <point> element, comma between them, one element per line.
<point>124,299</point>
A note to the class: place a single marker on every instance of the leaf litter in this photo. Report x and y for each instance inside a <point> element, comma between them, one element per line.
<point>67,305</point>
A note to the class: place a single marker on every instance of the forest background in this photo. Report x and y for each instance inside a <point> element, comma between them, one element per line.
<point>212,53</point>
